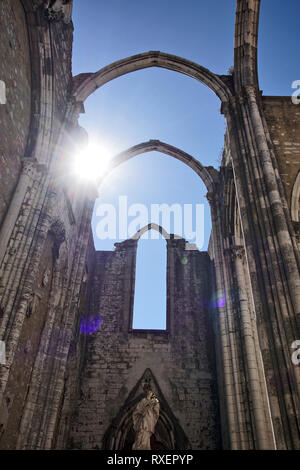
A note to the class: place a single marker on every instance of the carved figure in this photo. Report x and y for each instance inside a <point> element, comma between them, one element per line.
<point>145,418</point>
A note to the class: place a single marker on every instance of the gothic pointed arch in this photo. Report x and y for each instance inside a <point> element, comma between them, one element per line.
<point>208,174</point>
<point>86,83</point>
<point>168,435</point>
<point>245,61</point>
<point>151,226</point>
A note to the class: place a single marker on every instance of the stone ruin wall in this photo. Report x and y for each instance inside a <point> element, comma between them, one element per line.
<point>116,357</point>
<point>15,72</point>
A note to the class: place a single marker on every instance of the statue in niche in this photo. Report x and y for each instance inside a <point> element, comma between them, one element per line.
<point>145,418</point>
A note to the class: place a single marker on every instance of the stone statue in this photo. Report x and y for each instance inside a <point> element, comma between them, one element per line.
<point>145,418</point>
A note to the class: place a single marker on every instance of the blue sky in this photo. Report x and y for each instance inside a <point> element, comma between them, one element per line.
<point>164,105</point>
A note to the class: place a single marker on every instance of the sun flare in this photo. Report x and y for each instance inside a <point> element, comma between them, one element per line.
<point>92,162</point>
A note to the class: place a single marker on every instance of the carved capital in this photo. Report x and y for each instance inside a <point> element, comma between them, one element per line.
<point>237,252</point>
<point>29,166</point>
<point>57,230</point>
<point>252,93</point>
<point>55,10</point>
<point>212,197</point>
<point>224,108</point>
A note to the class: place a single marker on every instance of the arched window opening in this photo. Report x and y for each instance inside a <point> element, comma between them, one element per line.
<point>150,292</point>
<point>128,201</point>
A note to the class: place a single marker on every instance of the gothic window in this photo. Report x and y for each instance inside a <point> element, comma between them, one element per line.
<point>149,308</point>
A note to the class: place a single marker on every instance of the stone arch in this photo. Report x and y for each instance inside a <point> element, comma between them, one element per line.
<point>208,174</point>
<point>148,227</point>
<point>86,83</point>
<point>245,61</point>
<point>295,200</point>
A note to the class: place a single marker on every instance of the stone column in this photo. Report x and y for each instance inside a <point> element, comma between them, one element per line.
<point>21,257</point>
<point>230,421</point>
<point>262,423</point>
<point>271,259</point>
<point>41,414</point>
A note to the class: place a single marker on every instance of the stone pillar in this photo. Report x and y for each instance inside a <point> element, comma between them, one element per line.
<point>261,424</point>
<point>228,404</point>
<point>21,257</point>
<point>271,259</point>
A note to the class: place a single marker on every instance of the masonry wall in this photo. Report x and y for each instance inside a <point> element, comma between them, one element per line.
<point>61,68</point>
<point>14,400</point>
<point>15,72</point>
<point>283,119</point>
<point>36,272</point>
<point>116,357</point>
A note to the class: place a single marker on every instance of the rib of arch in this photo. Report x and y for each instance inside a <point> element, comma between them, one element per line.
<point>208,174</point>
<point>152,226</point>
<point>85,84</point>
<point>245,61</point>
<point>168,429</point>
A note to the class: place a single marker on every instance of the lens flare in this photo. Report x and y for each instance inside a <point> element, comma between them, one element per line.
<point>91,163</point>
<point>90,325</point>
<point>218,300</point>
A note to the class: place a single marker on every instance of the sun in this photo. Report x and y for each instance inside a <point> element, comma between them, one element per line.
<point>92,162</point>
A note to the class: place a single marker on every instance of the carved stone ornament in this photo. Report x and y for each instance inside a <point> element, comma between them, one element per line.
<point>237,251</point>
<point>57,229</point>
<point>147,382</point>
<point>56,10</point>
<point>145,417</point>
<point>33,303</point>
<point>46,277</point>
<point>297,230</point>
